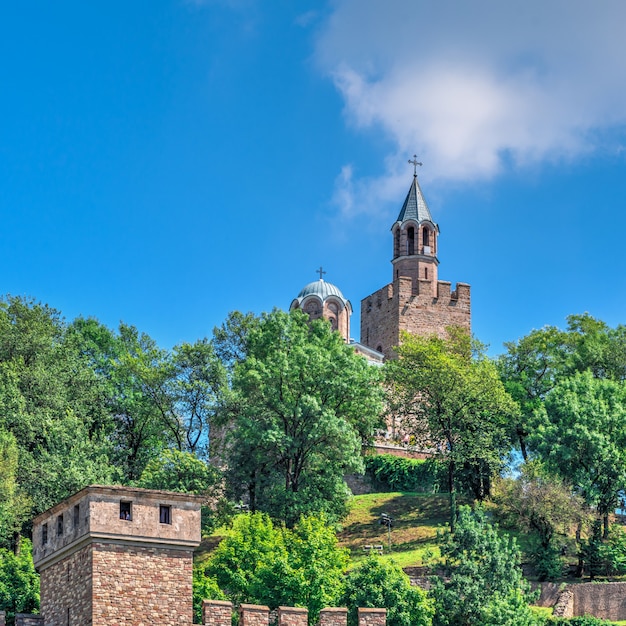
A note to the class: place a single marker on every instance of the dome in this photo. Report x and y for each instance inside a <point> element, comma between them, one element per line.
<point>322,289</point>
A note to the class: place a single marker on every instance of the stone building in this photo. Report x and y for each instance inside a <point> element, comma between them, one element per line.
<point>415,300</point>
<point>110,556</point>
<point>322,299</point>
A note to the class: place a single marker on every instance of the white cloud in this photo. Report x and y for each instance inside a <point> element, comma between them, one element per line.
<point>470,84</point>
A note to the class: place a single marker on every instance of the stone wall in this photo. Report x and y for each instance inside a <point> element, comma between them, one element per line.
<point>216,613</point>
<point>397,307</point>
<point>603,600</point>
<point>66,589</point>
<point>132,582</point>
<point>333,617</point>
<point>26,619</point>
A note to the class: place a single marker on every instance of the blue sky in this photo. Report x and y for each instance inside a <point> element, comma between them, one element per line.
<point>166,162</point>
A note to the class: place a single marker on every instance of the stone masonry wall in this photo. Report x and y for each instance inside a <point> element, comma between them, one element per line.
<point>333,617</point>
<point>372,617</point>
<point>134,586</point>
<point>606,600</point>
<point>253,615</point>
<point>26,619</point>
<point>291,616</point>
<point>217,612</point>
<point>66,589</point>
<point>397,307</point>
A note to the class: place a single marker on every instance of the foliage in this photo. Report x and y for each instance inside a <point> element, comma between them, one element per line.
<point>15,506</point>
<point>582,436</point>
<point>302,406</point>
<point>400,474</point>
<point>613,552</point>
<point>485,581</point>
<point>53,403</point>
<point>382,584</point>
<point>262,564</point>
<point>204,588</point>
<point>544,505</point>
<point>19,582</point>
<point>449,396</point>
<point>184,472</point>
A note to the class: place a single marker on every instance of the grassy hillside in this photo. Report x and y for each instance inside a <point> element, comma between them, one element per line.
<point>417,517</point>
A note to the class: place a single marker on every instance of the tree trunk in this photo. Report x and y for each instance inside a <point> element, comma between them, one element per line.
<point>581,561</point>
<point>452,495</point>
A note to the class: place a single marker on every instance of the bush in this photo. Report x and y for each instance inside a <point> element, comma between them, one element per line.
<point>380,584</point>
<point>547,562</point>
<point>400,474</point>
<point>19,582</point>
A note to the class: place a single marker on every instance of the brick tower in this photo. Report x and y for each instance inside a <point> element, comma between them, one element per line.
<point>110,556</point>
<point>415,301</point>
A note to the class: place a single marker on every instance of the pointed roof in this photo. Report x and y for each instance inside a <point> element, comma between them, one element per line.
<point>415,207</point>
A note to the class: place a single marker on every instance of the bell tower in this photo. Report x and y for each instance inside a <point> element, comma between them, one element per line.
<point>415,241</point>
<point>416,300</point>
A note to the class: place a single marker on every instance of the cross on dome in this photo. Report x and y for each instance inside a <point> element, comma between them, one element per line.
<point>321,272</point>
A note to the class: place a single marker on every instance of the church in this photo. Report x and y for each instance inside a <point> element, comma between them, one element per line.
<point>415,300</point>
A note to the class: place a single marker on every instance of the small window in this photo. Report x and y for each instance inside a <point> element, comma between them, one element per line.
<point>426,272</point>
<point>165,514</point>
<point>44,534</point>
<point>410,240</point>
<point>426,237</point>
<point>59,525</point>
<point>125,511</point>
<point>76,516</point>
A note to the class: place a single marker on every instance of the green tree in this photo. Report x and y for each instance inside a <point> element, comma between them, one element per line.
<point>318,564</point>
<point>450,398</point>
<point>179,471</point>
<point>52,402</point>
<point>531,367</point>
<point>15,506</point>
<point>544,505</point>
<point>264,564</point>
<point>302,406</point>
<point>382,584</point>
<point>19,582</point>
<point>484,581</point>
<point>582,436</point>
<point>253,553</point>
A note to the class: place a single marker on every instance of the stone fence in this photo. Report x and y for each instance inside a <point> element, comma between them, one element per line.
<point>218,613</point>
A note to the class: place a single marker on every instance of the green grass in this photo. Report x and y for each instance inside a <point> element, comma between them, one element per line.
<point>417,518</point>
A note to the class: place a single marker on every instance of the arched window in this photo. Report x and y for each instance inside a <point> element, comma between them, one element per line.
<point>425,236</point>
<point>410,240</point>
<point>396,243</point>
<point>379,348</point>
<point>312,309</point>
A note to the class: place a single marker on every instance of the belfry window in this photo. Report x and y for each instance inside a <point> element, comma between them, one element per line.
<point>44,534</point>
<point>425,237</point>
<point>59,525</point>
<point>410,241</point>
<point>396,244</point>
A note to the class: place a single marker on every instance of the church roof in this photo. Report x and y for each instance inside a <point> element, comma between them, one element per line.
<point>322,289</point>
<point>415,207</point>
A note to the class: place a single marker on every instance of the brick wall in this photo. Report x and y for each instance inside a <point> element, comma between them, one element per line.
<point>66,589</point>
<point>333,617</point>
<point>26,619</point>
<point>400,306</point>
<point>372,617</point>
<point>291,616</point>
<point>253,615</point>
<point>133,585</point>
<point>217,612</point>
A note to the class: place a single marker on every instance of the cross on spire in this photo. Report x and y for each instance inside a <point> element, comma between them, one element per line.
<point>415,163</point>
<point>321,272</point>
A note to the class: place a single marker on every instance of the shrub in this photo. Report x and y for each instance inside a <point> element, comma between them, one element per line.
<point>400,474</point>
